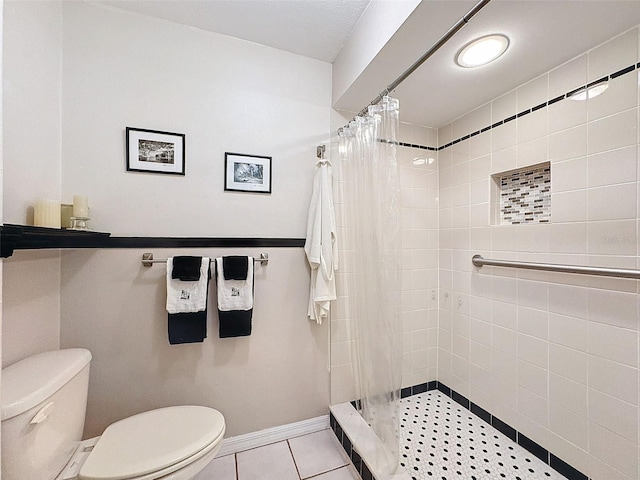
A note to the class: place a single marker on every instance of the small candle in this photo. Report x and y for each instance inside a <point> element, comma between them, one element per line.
<point>46,213</point>
<point>80,206</point>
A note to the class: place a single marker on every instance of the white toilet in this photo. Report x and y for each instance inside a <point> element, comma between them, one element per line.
<point>44,400</point>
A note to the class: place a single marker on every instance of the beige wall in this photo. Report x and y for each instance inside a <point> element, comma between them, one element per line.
<point>554,355</point>
<point>226,95</point>
<point>32,52</point>
<point>31,304</point>
<point>1,182</point>
<point>120,69</point>
<point>114,306</point>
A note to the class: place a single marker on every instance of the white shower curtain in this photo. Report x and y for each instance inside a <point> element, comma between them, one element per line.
<point>368,164</point>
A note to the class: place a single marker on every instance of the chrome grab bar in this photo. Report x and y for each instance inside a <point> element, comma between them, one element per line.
<point>480,261</point>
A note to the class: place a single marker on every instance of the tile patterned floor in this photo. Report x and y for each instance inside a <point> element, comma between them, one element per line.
<point>316,456</point>
<point>441,440</point>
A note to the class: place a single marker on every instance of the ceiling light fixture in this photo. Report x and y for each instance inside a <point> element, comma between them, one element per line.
<point>590,91</point>
<point>482,50</point>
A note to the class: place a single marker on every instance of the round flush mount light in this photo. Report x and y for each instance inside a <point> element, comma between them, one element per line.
<point>482,50</point>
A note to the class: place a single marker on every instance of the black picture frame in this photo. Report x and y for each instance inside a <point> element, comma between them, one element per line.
<point>247,173</point>
<point>154,151</point>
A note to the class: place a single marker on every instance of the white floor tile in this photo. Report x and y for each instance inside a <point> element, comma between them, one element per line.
<point>317,453</point>
<point>344,473</point>
<point>271,462</point>
<point>222,468</point>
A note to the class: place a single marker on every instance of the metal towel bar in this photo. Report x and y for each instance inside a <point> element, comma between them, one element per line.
<point>148,260</point>
<point>479,261</point>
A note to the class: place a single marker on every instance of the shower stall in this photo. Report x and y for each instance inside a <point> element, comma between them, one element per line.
<point>500,372</point>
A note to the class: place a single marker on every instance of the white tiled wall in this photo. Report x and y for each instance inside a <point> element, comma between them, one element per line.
<point>554,355</point>
<point>419,224</point>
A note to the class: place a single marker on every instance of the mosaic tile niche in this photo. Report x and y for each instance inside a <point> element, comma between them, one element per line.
<point>523,196</point>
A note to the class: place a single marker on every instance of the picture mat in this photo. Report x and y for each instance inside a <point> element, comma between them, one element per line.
<point>134,161</point>
<point>248,173</point>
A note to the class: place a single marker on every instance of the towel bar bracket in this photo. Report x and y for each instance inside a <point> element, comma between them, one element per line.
<point>148,260</point>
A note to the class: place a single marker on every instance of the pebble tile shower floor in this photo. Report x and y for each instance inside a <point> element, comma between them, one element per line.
<point>443,441</point>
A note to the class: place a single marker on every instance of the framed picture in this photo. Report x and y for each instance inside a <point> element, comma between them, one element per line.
<point>154,151</point>
<point>247,173</point>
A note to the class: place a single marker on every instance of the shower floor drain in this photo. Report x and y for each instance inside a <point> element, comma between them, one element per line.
<point>443,441</point>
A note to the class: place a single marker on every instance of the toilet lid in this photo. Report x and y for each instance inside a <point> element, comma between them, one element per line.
<point>152,441</point>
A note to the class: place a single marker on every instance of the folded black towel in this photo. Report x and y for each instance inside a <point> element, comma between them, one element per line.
<point>186,268</point>
<point>188,327</point>
<point>235,267</point>
<point>236,323</point>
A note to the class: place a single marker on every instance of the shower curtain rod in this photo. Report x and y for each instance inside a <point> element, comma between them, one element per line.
<point>444,39</point>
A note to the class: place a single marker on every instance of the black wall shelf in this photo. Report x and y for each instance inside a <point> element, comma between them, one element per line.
<point>23,237</point>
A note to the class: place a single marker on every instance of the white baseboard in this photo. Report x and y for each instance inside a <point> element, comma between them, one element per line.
<point>272,435</point>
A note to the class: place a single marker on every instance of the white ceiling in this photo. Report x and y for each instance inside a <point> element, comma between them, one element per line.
<point>543,34</point>
<point>313,28</point>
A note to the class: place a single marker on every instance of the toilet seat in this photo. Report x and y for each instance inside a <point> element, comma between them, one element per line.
<point>153,444</point>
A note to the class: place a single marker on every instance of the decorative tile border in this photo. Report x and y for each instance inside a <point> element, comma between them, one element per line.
<point>535,449</point>
<point>606,78</point>
<point>358,463</point>
<point>539,451</point>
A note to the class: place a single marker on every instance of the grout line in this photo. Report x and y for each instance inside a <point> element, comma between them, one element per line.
<point>293,457</point>
<point>235,462</point>
<point>329,471</point>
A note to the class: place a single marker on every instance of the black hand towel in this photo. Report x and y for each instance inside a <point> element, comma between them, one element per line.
<point>235,267</point>
<point>236,323</point>
<point>186,268</point>
<point>188,327</point>
<point>233,323</point>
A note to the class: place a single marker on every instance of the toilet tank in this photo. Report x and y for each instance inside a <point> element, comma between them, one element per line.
<point>44,401</point>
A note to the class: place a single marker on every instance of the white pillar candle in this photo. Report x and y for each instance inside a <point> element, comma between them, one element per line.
<point>80,206</point>
<point>38,213</point>
<point>46,213</point>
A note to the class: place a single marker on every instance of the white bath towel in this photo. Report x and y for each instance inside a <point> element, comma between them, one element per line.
<point>321,245</point>
<point>187,297</point>
<point>234,294</point>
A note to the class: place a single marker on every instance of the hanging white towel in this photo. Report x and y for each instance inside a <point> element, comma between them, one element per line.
<point>187,297</point>
<point>234,294</point>
<point>321,245</point>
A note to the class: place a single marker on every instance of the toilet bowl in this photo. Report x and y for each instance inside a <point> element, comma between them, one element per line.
<point>43,409</point>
